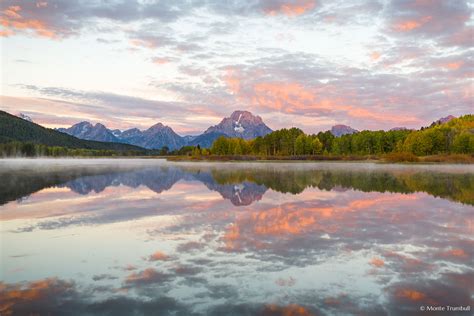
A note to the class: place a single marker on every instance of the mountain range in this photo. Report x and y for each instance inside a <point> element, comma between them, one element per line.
<point>13,128</point>
<point>239,124</point>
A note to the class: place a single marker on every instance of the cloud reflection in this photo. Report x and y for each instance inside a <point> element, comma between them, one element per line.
<point>254,240</point>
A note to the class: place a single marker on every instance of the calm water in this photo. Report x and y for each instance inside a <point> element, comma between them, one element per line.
<point>149,237</point>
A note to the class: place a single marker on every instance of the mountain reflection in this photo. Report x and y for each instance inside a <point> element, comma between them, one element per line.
<point>240,185</point>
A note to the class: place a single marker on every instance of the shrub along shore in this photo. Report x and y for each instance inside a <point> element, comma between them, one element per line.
<point>401,157</point>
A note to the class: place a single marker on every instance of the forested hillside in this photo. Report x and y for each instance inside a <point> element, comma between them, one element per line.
<point>16,133</point>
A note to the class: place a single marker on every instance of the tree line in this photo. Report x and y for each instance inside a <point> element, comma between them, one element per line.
<point>29,149</point>
<point>456,136</point>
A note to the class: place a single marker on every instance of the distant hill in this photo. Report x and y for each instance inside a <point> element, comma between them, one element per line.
<point>13,128</point>
<point>339,130</point>
<point>446,119</point>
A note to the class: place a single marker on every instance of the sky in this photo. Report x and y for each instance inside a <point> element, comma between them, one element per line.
<point>187,64</point>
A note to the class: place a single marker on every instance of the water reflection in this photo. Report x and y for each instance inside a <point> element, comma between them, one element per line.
<point>239,183</point>
<point>147,237</point>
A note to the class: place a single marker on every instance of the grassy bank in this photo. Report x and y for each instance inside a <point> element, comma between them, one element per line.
<point>390,158</point>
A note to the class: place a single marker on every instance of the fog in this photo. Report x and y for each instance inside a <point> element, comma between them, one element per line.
<point>56,164</point>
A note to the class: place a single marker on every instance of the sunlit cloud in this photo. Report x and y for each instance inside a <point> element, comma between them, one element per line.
<point>377,262</point>
<point>290,310</point>
<point>188,64</point>
<point>160,60</point>
<point>375,56</point>
<point>145,277</point>
<point>291,8</point>
<point>158,256</point>
<point>406,26</point>
<point>12,20</point>
<point>410,294</point>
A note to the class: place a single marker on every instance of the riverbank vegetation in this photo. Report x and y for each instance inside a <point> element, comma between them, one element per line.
<point>29,149</point>
<point>449,142</point>
<point>454,137</point>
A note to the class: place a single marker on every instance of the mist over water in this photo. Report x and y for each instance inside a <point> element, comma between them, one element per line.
<point>137,236</point>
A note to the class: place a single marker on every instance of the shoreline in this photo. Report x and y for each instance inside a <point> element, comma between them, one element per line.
<point>426,160</point>
<point>434,159</point>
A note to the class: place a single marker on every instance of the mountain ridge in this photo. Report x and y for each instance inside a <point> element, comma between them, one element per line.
<point>14,128</point>
<point>239,124</point>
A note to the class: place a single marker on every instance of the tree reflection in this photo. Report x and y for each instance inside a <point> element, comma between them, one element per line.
<point>242,185</point>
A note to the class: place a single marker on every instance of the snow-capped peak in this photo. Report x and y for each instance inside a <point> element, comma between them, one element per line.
<point>25,117</point>
<point>238,126</point>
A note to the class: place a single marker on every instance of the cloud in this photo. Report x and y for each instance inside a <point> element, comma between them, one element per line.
<point>409,68</point>
<point>160,60</point>
<point>146,277</point>
<point>55,296</point>
<point>191,246</point>
<point>434,19</point>
<point>375,56</point>
<point>292,94</point>
<point>99,106</point>
<point>315,217</point>
<point>58,19</point>
<point>408,295</point>
<point>13,21</point>
<point>61,18</point>
<point>377,262</point>
<point>294,84</point>
<point>101,277</point>
<point>292,309</point>
<point>151,41</point>
<point>289,8</point>
<point>47,296</point>
<point>158,256</point>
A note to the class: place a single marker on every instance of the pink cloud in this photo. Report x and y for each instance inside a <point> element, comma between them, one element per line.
<point>145,277</point>
<point>453,65</point>
<point>409,25</point>
<point>375,56</point>
<point>377,262</point>
<point>160,60</point>
<point>410,294</point>
<point>294,8</point>
<point>11,19</point>
<point>232,80</point>
<point>142,43</point>
<point>12,12</point>
<point>158,256</point>
<point>295,98</point>
<point>460,38</point>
